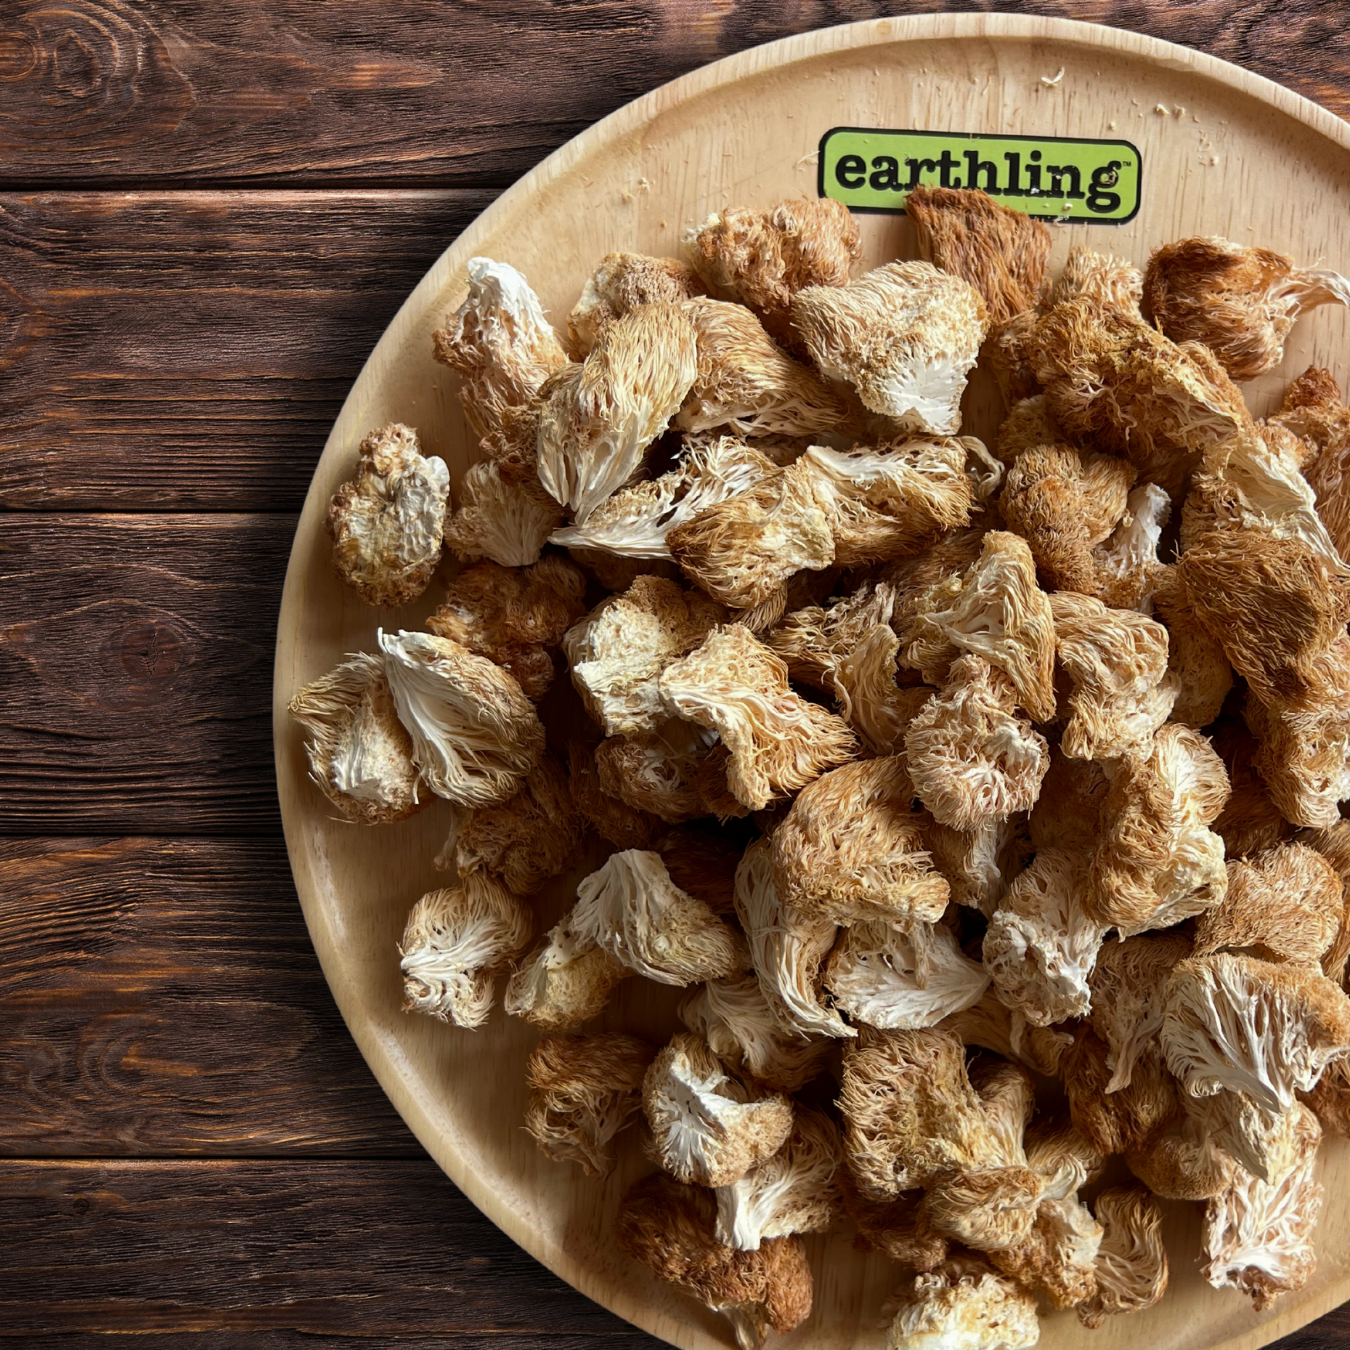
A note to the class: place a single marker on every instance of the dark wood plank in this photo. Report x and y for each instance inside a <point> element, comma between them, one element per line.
<point>280,1249</point>
<point>136,659</point>
<point>284,90</point>
<point>191,350</point>
<point>340,1249</point>
<point>620,1338</point>
<point>1329,1333</point>
<point>161,997</point>
<point>188,91</point>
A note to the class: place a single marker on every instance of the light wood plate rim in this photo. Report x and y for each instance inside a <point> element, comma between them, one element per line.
<point>382,1054</point>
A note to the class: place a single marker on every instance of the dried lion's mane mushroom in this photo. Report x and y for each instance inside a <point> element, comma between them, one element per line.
<point>360,755</point>
<point>387,521</point>
<point>583,1090</point>
<point>455,942</point>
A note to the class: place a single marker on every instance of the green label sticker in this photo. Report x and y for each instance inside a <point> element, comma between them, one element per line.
<point>1050,177</point>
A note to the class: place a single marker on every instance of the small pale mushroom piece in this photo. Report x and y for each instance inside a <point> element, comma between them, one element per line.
<point>1126,562</point>
<point>527,839</point>
<point>1157,861</point>
<point>745,1031</point>
<point>964,1305</point>
<point>475,735</point>
<point>1249,1026</point>
<point>853,848</point>
<point>990,1024</point>
<point>631,909</point>
<point>1287,901</point>
<point>1252,482</point>
<point>500,343</point>
<point>978,864</point>
<point>360,756</point>
<point>787,949</point>
<point>618,652</point>
<point>386,523</point>
<point>513,616</point>
<point>743,549</point>
<point>1058,1260</point>
<point>763,258</point>
<point>910,1112</point>
<point>893,500</point>
<point>455,942</point>
<point>794,1191</point>
<point>636,520</point>
<point>902,976</point>
<point>1001,252</point>
<point>777,741</point>
<point>1100,276</point>
<point>746,383</point>
<point>598,419</point>
<point>1240,302</point>
<point>904,336</point>
<point>851,650</point>
<point>994,610</point>
<point>1064,502</point>
<point>501,518</point>
<point>990,1203</point>
<point>1116,660</point>
<point>658,772</point>
<point>1255,1138</point>
<point>620,283</point>
<point>1113,382</point>
<point>1042,943</point>
<point>565,981</point>
<point>1127,988</point>
<point>987,1208</point>
<point>1131,1265</point>
<point>707,1127</point>
<point>670,1229</point>
<point>583,1091</point>
<point>973,761</point>
<point>1195,658</point>
<point>1258,1235</point>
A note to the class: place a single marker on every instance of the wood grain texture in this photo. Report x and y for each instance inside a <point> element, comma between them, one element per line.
<point>190,91</point>
<point>190,350</point>
<point>344,1249</point>
<point>162,997</point>
<point>620,1337</point>
<point>253,1255</point>
<point>135,655</point>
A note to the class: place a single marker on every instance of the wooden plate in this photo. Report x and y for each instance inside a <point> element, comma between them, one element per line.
<point>1224,152</point>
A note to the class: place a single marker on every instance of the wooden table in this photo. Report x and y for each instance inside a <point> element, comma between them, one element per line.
<point>209,210</point>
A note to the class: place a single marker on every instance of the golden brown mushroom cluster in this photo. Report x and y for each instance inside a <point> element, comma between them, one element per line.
<point>984,803</point>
